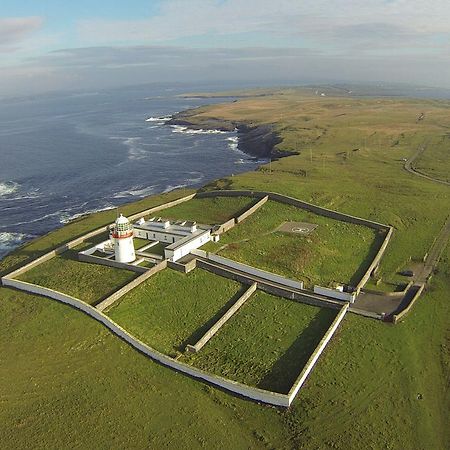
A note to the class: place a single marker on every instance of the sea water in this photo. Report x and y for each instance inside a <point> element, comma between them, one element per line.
<point>63,156</point>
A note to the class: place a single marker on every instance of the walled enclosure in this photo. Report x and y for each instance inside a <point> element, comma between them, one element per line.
<point>320,211</point>
<point>273,398</point>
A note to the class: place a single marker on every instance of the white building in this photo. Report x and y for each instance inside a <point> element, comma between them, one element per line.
<point>181,236</point>
<point>122,236</point>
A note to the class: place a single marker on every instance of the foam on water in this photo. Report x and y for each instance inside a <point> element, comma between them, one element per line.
<point>136,192</point>
<point>65,218</point>
<point>159,119</point>
<point>8,188</point>
<point>10,240</point>
<point>186,130</point>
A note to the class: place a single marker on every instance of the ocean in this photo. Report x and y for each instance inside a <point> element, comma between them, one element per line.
<point>63,156</point>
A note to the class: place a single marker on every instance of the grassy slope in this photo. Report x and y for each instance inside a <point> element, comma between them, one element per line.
<point>73,384</point>
<point>267,343</point>
<point>335,251</point>
<point>208,210</point>
<point>436,162</point>
<point>169,319</point>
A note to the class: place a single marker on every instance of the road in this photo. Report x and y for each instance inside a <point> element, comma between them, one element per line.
<point>410,168</point>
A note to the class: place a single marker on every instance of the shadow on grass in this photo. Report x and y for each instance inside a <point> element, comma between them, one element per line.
<point>288,367</point>
<point>373,250</point>
<point>199,332</point>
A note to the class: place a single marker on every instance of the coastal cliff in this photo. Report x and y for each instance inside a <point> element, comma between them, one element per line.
<point>259,141</point>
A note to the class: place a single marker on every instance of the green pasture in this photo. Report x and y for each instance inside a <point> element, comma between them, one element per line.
<point>171,309</point>
<point>266,343</point>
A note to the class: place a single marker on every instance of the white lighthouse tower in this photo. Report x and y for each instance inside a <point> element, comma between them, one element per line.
<point>122,236</point>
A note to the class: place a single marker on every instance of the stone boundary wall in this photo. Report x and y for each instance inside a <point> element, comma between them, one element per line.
<point>83,257</point>
<point>249,269</point>
<point>362,312</point>
<point>184,268</point>
<point>131,285</point>
<point>270,288</point>
<point>334,293</point>
<point>252,209</point>
<point>390,294</point>
<point>397,317</point>
<point>317,352</point>
<point>299,203</point>
<point>79,240</point>
<point>375,262</point>
<point>317,210</point>
<point>260,395</point>
<point>218,325</point>
<point>228,225</point>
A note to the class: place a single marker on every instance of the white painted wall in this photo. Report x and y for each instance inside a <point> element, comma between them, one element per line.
<point>333,293</point>
<point>250,270</point>
<point>188,247</point>
<point>273,398</point>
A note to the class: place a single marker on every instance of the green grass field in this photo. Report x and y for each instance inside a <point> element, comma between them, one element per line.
<point>66,382</point>
<point>266,343</point>
<point>88,282</point>
<point>171,310</point>
<point>334,251</point>
<point>208,210</point>
<point>435,160</point>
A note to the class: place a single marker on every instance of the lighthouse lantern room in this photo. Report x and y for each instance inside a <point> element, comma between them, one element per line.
<point>122,236</point>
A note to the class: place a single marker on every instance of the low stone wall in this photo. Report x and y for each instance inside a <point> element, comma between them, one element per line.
<point>228,225</point>
<point>298,203</point>
<point>160,207</point>
<point>317,352</point>
<point>364,313</point>
<point>390,294</point>
<point>260,395</point>
<point>302,297</point>
<point>397,317</point>
<point>184,268</point>
<point>110,263</point>
<point>375,262</point>
<point>252,209</point>
<point>131,285</point>
<point>218,325</point>
<point>249,269</point>
<point>317,210</point>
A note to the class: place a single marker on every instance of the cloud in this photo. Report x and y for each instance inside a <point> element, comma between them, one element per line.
<point>111,66</point>
<point>14,30</point>
<point>317,20</point>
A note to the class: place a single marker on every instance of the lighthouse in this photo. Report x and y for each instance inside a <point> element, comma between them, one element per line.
<point>122,236</point>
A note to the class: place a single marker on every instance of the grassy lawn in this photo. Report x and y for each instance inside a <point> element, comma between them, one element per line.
<point>171,309</point>
<point>139,243</point>
<point>208,210</point>
<point>267,343</point>
<point>88,282</point>
<point>334,251</point>
<point>65,381</point>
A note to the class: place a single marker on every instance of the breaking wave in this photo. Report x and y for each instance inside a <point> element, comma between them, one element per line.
<point>66,218</point>
<point>233,142</point>
<point>187,130</point>
<point>8,188</point>
<point>10,240</point>
<point>136,192</point>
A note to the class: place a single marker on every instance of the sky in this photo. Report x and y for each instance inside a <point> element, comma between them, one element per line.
<point>52,45</point>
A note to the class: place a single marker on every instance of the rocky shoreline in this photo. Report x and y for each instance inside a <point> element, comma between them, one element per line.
<point>259,141</point>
